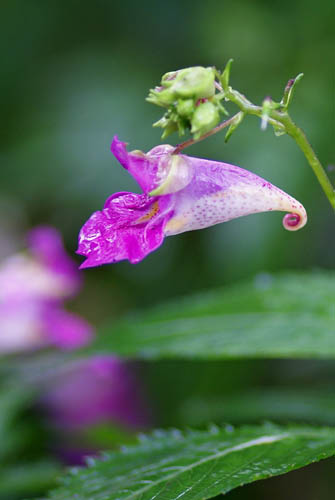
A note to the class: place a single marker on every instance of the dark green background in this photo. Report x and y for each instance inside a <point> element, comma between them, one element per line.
<point>74,73</point>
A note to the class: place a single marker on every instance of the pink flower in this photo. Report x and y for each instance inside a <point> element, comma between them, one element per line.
<point>97,390</point>
<point>33,287</point>
<point>180,193</point>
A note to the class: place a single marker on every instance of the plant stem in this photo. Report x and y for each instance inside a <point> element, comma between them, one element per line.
<point>251,109</point>
<point>214,130</point>
<point>300,138</point>
<point>282,120</point>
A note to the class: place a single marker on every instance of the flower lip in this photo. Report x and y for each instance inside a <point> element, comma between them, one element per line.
<point>120,194</point>
<point>129,227</point>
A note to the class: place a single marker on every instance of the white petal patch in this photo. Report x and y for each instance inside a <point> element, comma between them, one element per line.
<point>236,201</point>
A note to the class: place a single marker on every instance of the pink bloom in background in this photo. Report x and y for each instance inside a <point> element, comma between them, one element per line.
<point>33,287</point>
<point>180,193</point>
<point>101,389</point>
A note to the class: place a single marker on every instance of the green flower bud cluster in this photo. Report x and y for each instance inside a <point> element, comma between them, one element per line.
<point>190,100</point>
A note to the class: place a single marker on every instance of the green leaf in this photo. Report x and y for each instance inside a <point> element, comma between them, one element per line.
<point>286,316</point>
<point>315,406</point>
<point>226,75</point>
<point>235,123</point>
<point>14,432</point>
<point>289,90</point>
<point>28,478</point>
<point>196,464</point>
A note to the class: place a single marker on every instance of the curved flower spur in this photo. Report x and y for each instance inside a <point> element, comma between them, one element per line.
<point>180,193</point>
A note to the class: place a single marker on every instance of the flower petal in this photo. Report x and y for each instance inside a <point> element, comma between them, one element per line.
<point>46,245</point>
<point>129,227</point>
<point>221,192</point>
<point>98,390</point>
<point>156,171</point>
<point>65,330</point>
<point>21,326</point>
<point>180,174</point>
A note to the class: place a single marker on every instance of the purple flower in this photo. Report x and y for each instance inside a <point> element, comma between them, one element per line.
<point>33,287</point>
<point>98,391</point>
<point>102,389</point>
<point>180,193</point>
<point>46,247</point>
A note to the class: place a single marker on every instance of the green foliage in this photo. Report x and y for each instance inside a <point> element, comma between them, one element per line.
<point>288,316</point>
<point>316,406</point>
<point>196,464</point>
<point>237,120</point>
<point>24,468</point>
<point>289,90</point>
<point>14,432</point>
<point>27,478</point>
<point>59,91</point>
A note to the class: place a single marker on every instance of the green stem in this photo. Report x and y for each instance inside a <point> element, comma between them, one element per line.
<point>300,138</point>
<point>282,120</point>
<point>251,109</point>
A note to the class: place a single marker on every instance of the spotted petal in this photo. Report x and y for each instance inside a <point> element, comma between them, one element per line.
<point>221,192</point>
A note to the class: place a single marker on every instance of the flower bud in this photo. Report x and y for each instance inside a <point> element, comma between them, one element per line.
<point>195,82</point>
<point>185,107</point>
<point>168,124</point>
<point>169,78</point>
<point>161,97</point>
<point>169,128</point>
<point>206,117</point>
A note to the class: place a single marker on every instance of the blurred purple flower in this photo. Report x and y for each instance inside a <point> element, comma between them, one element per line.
<point>180,193</point>
<point>102,389</point>
<point>93,392</point>
<point>33,287</point>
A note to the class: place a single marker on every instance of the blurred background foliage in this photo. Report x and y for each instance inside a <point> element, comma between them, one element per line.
<point>74,73</point>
